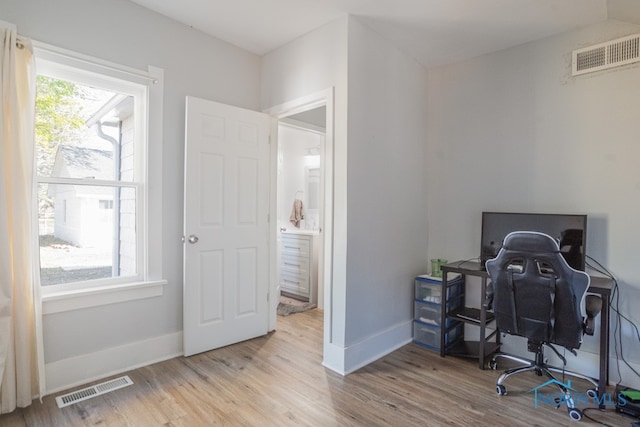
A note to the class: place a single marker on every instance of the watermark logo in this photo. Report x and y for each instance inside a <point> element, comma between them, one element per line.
<point>571,397</point>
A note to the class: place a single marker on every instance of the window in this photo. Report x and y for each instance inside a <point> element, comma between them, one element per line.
<point>93,127</point>
<point>105,204</point>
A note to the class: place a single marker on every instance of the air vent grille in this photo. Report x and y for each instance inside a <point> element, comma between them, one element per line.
<point>607,55</point>
<point>93,391</point>
<point>591,59</point>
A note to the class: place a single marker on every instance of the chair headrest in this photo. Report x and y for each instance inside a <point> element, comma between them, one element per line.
<point>530,241</point>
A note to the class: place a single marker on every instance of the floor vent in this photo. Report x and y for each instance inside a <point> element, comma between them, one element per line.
<point>93,391</point>
<point>607,55</point>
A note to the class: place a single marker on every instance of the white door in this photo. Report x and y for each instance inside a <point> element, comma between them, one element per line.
<point>226,250</point>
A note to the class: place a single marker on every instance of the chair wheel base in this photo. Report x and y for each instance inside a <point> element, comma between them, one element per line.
<point>501,390</point>
<point>575,414</point>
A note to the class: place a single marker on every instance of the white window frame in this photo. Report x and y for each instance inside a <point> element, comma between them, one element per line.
<point>147,88</point>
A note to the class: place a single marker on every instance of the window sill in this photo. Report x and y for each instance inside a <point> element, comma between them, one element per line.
<point>58,302</point>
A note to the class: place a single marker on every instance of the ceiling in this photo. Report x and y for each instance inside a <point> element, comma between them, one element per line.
<point>434,32</point>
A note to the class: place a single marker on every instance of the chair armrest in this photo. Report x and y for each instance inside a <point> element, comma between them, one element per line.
<point>593,306</point>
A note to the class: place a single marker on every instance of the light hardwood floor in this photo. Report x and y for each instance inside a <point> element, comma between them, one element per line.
<point>278,380</point>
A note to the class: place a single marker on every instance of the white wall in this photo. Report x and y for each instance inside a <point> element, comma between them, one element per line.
<point>113,337</point>
<point>513,131</point>
<point>386,216</point>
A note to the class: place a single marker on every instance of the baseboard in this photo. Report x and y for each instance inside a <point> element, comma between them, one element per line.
<point>79,370</point>
<point>377,346</point>
<point>333,358</point>
<point>346,360</point>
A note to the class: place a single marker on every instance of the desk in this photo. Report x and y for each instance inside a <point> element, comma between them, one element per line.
<point>601,286</point>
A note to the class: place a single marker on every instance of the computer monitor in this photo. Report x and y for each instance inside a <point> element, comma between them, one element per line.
<point>570,231</point>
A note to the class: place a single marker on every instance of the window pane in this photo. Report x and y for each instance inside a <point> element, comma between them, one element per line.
<point>82,131</point>
<point>86,232</point>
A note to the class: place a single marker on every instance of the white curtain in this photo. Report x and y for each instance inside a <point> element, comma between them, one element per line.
<point>19,280</point>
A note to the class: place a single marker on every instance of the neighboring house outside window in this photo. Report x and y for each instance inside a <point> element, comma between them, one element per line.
<point>87,226</point>
<point>92,148</point>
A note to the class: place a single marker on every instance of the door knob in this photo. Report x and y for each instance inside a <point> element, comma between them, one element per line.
<point>193,239</point>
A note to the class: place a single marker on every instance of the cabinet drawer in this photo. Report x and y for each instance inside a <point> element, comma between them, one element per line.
<point>429,336</point>
<point>295,265</point>
<point>431,314</point>
<point>427,313</point>
<point>432,292</point>
<point>295,246</point>
<point>294,283</point>
<point>294,262</point>
<point>294,272</point>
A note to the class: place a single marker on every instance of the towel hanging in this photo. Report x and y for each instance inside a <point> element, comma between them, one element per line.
<point>297,213</point>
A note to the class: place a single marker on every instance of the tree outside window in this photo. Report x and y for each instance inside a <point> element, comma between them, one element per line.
<point>86,196</point>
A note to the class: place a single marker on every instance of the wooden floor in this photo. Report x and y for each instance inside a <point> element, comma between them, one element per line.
<point>278,380</point>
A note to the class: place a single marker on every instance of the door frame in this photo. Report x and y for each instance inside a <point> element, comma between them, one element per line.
<point>299,105</point>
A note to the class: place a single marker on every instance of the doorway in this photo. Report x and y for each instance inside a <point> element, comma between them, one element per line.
<point>310,118</point>
<point>300,213</point>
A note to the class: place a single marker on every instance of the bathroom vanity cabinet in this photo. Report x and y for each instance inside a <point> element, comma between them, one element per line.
<point>298,266</point>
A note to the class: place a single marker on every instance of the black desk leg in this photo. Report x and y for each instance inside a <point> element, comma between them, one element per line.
<point>443,319</point>
<point>482,342</point>
<point>604,351</point>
